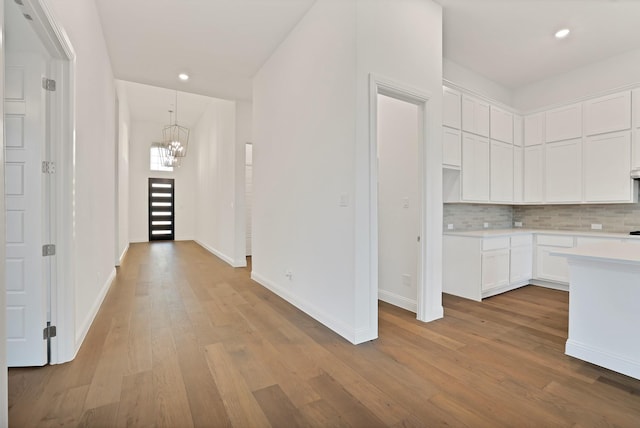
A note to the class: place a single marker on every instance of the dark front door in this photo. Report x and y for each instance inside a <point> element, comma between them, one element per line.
<point>161,209</point>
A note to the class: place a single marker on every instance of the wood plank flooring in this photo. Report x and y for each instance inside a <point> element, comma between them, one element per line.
<point>184,340</point>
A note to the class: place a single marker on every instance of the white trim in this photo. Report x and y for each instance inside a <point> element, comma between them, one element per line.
<point>603,358</point>
<point>398,300</point>
<point>339,327</point>
<point>122,256</point>
<point>219,254</point>
<point>86,323</point>
<point>426,309</point>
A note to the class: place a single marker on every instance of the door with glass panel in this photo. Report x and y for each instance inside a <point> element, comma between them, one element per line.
<point>161,209</point>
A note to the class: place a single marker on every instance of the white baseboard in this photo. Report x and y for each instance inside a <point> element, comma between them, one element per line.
<point>86,324</point>
<point>223,256</point>
<point>398,300</point>
<point>124,253</point>
<point>603,358</point>
<point>319,315</point>
<point>549,284</point>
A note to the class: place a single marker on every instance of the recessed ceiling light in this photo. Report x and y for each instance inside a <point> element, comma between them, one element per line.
<point>183,76</point>
<point>561,34</point>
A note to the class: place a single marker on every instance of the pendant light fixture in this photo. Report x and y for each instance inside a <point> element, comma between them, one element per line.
<point>175,138</point>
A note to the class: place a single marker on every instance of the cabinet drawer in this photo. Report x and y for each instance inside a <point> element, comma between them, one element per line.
<point>521,240</point>
<point>556,241</point>
<point>495,243</point>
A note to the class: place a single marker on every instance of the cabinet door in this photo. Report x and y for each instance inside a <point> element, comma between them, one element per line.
<point>563,171</point>
<point>533,164</point>
<point>451,108</point>
<point>475,168</point>
<point>635,99</point>
<point>607,162</point>
<point>518,174</point>
<point>551,268</point>
<point>608,114</point>
<point>518,131</point>
<point>451,152</point>
<point>475,116</point>
<point>495,269</point>
<point>533,129</point>
<point>501,125</point>
<point>521,264</point>
<point>563,123</point>
<point>501,167</point>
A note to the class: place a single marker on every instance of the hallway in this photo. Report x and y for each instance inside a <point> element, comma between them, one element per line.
<point>183,339</point>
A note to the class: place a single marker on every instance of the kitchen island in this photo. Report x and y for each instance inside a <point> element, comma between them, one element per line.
<point>604,305</point>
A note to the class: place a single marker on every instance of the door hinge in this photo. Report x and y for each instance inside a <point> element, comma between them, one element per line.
<point>48,250</point>
<point>48,332</point>
<point>48,167</point>
<point>48,84</point>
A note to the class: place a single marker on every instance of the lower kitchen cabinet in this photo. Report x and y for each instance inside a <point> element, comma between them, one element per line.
<point>548,267</point>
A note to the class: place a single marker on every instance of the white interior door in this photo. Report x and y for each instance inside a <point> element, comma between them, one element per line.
<point>26,275</point>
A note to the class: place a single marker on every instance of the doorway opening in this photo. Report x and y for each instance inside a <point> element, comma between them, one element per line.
<point>161,209</point>
<point>248,194</point>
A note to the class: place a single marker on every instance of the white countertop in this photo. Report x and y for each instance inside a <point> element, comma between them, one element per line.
<point>489,233</point>
<point>621,252</point>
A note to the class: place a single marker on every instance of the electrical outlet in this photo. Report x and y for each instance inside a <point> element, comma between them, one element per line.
<point>518,224</point>
<point>596,226</point>
<point>289,274</point>
<point>486,225</point>
<point>450,226</point>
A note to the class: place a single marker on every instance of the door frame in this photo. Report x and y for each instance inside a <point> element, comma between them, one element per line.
<point>429,298</point>
<point>61,134</point>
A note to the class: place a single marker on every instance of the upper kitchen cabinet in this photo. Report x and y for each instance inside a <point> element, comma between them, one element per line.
<point>607,114</point>
<point>501,172</point>
<point>475,116</point>
<point>451,108</point>
<point>501,125</point>
<point>607,163</point>
<point>635,108</point>
<point>451,155</point>
<point>563,171</point>
<point>475,168</point>
<point>534,129</point>
<point>563,123</point>
<point>518,130</point>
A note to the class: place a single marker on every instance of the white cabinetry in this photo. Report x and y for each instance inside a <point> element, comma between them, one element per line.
<point>501,168</point>
<point>451,151</point>
<point>534,129</point>
<point>533,174</point>
<point>501,125</point>
<point>451,108</point>
<point>548,267</point>
<point>607,114</point>
<point>518,174</point>
<point>475,168</point>
<point>563,171</point>
<point>475,116</point>
<point>563,123</point>
<point>636,128</point>
<point>475,268</point>
<point>607,162</point>
<point>518,131</point>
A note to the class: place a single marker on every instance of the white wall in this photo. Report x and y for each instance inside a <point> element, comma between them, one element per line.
<point>4,402</point>
<point>123,172</point>
<point>311,154</point>
<point>472,81</point>
<point>244,123</point>
<point>592,79</point>
<point>143,133</point>
<point>398,202</point>
<point>94,159</point>
<point>218,209</point>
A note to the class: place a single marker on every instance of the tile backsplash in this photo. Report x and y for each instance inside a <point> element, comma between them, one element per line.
<point>621,218</point>
<point>473,216</point>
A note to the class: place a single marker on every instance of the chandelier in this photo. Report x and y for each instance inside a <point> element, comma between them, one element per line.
<point>175,138</point>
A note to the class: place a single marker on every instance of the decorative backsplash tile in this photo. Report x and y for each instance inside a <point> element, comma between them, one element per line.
<point>621,218</point>
<point>473,216</point>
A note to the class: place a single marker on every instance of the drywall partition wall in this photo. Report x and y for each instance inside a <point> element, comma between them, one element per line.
<point>216,221</point>
<point>243,136</point>
<point>461,76</point>
<point>398,202</point>
<point>312,203</point>
<point>593,79</point>
<point>303,152</point>
<point>94,175</point>
<point>142,134</point>
<point>401,42</point>
<point>123,171</point>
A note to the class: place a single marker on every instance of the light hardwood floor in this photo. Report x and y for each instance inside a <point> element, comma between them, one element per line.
<point>183,339</point>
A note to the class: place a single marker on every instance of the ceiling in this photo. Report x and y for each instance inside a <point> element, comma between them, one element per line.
<point>223,43</point>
